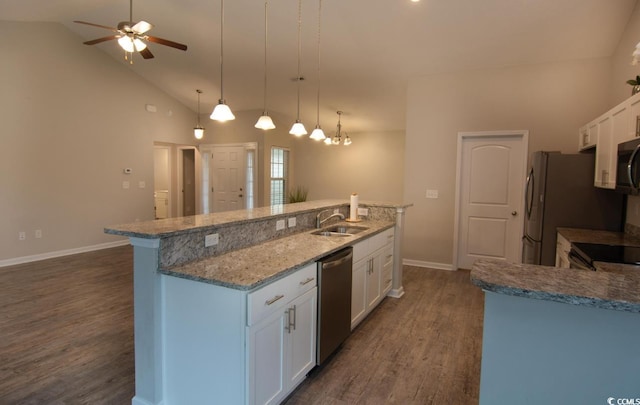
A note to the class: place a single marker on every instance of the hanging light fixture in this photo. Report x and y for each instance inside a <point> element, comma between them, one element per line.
<point>347,140</point>
<point>265,122</point>
<point>198,130</point>
<point>337,138</point>
<point>222,112</point>
<point>298,128</point>
<point>318,134</point>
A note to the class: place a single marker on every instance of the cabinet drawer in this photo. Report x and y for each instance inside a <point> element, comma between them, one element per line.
<point>263,302</point>
<point>382,239</point>
<point>361,250</point>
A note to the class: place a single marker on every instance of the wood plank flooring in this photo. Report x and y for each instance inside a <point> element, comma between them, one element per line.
<point>423,348</point>
<point>66,337</point>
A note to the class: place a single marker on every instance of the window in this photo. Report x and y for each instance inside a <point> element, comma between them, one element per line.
<point>250,178</point>
<point>279,175</point>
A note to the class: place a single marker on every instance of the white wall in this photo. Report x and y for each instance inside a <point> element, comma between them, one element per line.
<point>72,120</point>
<point>550,100</point>
<point>371,166</point>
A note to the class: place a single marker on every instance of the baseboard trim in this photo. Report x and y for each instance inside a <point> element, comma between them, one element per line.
<point>60,253</point>
<point>430,265</point>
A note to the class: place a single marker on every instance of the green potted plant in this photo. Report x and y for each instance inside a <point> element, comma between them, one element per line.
<point>298,194</point>
<point>636,85</point>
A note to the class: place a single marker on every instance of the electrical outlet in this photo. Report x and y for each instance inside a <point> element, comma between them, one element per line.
<point>336,210</point>
<point>432,193</point>
<point>22,235</point>
<point>363,211</point>
<point>292,222</point>
<point>211,240</point>
<point>280,225</point>
<point>38,233</point>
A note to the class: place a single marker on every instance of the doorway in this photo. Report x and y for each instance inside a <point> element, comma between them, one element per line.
<point>162,181</point>
<point>187,181</point>
<point>489,196</point>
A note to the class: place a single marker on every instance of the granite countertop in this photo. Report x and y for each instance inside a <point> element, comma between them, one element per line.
<point>252,267</point>
<point>614,286</point>
<point>181,225</point>
<point>601,237</point>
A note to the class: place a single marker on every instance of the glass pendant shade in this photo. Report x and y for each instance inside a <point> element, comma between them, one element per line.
<point>347,141</point>
<point>328,141</point>
<point>198,132</point>
<point>335,140</point>
<point>222,112</point>
<point>131,45</point>
<point>317,134</point>
<point>298,129</point>
<point>265,122</point>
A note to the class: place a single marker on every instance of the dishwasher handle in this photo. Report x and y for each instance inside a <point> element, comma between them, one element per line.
<point>337,259</point>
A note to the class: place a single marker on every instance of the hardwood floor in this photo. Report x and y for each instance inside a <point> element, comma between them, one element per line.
<point>66,337</point>
<point>66,330</point>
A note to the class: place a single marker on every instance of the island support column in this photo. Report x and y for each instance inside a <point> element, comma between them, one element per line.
<point>397,290</point>
<point>147,322</point>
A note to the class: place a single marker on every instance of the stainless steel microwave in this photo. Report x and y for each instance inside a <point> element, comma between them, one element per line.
<point>628,168</point>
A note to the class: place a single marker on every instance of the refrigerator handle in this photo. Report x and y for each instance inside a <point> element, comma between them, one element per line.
<point>632,181</point>
<point>529,197</point>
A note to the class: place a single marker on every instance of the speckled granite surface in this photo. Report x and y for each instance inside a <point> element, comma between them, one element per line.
<point>175,226</point>
<point>252,267</point>
<point>613,286</point>
<point>603,237</point>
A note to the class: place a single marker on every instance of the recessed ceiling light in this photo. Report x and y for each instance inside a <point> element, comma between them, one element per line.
<point>415,1</point>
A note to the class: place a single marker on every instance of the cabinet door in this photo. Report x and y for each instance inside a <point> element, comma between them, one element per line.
<point>386,258</point>
<point>300,339</point>
<point>374,290</point>
<point>358,298</point>
<point>266,354</point>
<point>604,152</point>
<point>633,126</point>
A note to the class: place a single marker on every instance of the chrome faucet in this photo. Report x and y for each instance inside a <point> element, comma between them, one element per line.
<point>319,222</point>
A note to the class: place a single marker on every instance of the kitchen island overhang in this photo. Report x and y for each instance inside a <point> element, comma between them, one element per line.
<point>555,335</point>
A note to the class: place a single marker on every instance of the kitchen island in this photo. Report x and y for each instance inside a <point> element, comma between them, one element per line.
<point>559,336</point>
<point>184,267</point>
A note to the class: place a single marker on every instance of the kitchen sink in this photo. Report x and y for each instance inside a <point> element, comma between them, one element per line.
<point>340,230</point>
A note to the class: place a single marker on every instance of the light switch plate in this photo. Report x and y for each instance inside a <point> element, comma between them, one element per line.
<point>279,224</point>
<point>142,184</point>
<point>211,240</point>
<point>125,184</point>
<point>432,193</point>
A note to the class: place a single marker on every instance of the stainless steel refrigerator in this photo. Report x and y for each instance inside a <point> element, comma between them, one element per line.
<point>560,193</point>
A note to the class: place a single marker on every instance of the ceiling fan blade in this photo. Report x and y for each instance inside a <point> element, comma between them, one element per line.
<point>97,25</point>
<point>142,27</point>
<point>146,53</point>
<point>166,42</point>
<point>103,39</point>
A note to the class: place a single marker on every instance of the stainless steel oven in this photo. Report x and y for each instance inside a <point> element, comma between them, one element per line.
<point>628,167</point>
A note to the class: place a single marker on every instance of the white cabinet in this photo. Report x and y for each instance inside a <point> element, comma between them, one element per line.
<point>372,274</point>
<point>282,349</point>
<point>228,346</point>
<point>563,246</point>
<point>588,135</point>
<point>604,170</point>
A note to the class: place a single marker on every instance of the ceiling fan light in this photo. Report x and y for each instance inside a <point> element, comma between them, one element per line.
<point>139,45</point>
<point>222,112</point>
<point>198,132</point>
<point>126,43</point>
<point>265,122</point>
<point>142,27</point>
<point>317,134</point>
<point>298,129</point>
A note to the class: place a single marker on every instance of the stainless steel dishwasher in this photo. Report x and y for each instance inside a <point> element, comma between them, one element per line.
<point>334,302</point>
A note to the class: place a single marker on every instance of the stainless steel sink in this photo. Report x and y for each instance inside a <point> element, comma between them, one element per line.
<point>340,230</point>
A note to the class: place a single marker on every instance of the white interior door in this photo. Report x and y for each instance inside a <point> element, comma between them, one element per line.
<point>491,169</point>
<point>228,178</point>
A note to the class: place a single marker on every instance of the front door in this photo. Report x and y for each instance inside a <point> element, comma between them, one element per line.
<point>227,174</point>
<point>492,169</point>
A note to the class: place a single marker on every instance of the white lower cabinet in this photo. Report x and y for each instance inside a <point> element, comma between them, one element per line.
<point>282,349</point>
<point>228,346</point>
<point>372,274</point>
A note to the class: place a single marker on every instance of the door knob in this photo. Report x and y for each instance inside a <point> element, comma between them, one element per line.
<point>514,213</point>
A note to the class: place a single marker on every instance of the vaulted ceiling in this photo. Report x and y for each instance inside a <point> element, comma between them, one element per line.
<point>369,48</point>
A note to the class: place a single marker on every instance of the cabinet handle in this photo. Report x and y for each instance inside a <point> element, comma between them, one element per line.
<point>307,281</point>
<point>389,256</point>
<point>291,325</point>
<point>274,299</point>
<point>638,125</point>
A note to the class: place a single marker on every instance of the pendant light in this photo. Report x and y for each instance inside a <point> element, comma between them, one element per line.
<point>198,130</point>
<point>298,128</point>
<point>222,112</point>
<point>337,138</point>
<point>318,134</point>
<point>265,122</point>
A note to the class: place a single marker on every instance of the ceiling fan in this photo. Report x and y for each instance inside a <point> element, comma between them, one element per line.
<point>131,36</point>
